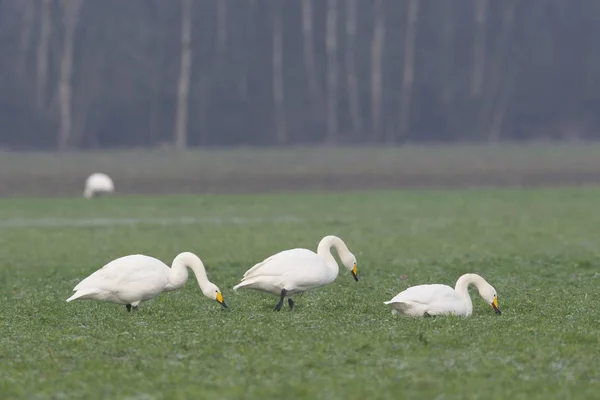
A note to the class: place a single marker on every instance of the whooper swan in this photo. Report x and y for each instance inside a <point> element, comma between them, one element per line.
<point>135,278</point>
<point>297,270</point>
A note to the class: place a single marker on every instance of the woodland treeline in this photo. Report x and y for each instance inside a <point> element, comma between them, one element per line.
<point>124,73</point>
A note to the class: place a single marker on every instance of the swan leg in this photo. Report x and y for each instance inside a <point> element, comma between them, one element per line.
<point>135,305</point>
<point>128,306</point>
<point>291,303</point>
<point>280,304</point>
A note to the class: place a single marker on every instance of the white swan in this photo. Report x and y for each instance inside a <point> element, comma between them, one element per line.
<point>427,300</point>
<point>135,278</point>
<point>98,183</point>
<point>294,271</point>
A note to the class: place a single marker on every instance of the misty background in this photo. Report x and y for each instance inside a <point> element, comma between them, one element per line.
<point>81,74</point>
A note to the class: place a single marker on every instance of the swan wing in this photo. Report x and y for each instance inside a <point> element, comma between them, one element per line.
<point>295,269</point>
<point>137,269</point>
<point>434,299</point>
<point>284,262</point>
<point>426,294</point>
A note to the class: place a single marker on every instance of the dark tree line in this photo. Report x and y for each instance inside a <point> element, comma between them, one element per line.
<point>122,73</point>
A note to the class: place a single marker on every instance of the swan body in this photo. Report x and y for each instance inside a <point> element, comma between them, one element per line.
<point>135,278</point>
<point>297,270</point>
<point>436,299</point>
<point>98,183</point>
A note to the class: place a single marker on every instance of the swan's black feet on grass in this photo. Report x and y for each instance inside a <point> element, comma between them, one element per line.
<point>135,308</point>
<point>128,306</point>
<point>291,303</point>
<point>280,304</point>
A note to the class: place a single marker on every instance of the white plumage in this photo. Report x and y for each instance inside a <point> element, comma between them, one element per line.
<point>135,278</point>
<point>294,271</point>
<point>98,183</point>
<point>437,299</point>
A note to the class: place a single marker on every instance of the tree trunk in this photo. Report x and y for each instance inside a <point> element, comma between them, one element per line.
<point>247,45</point>
<point>71,16</point>
<point>377,44</point>
<point>278,98</point>
<point>202,106</point>
<point>183,89</point>
<point>448,52</point>
<point>479,48</point>
<point>501,80</point>
<point>408,72</point>
<point>352,80</point>
<point>498,114</point>
<point>26,31</point>
<point>448,60</point>
<point>332,71</point>
<point>42,55</point>
<point>309,50</point>
<point>221,27</point>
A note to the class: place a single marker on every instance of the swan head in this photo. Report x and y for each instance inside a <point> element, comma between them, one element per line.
<point>489,294</point>
<point>349,261</point>
<point>213,292</point>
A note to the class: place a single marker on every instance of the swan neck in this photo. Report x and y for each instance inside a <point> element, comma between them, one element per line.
<point>328,242</point>
<point>179,270</point>
<point>462,288</point>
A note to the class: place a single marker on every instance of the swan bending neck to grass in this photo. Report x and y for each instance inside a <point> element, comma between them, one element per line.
<point>98,183</point>
<point>436,299</point>
<point>294,271</point>
<point>135,278</point>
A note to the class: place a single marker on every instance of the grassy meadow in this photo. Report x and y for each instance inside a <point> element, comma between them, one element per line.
<point>253,170</point>
<point>538,247</point>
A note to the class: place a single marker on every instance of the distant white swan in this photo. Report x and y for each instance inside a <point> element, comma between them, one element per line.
<point>98,183</point>
<point>294,271</point>
<point>428,300</point>
<point>135,278</point>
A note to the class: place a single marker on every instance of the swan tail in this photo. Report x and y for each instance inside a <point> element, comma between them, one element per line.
<point>244,283</point>
<point>84,294</point>
<point>250,272</point>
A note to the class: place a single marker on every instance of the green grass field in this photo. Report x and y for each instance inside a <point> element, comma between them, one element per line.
<point>254,170</point>
<point>539,248</point>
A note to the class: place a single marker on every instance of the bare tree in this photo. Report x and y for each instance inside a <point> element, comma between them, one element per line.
<point>448,56</point>
<point>351,78</point>
<point>42,54</point>
<point>332,70</point>
<point>156,85</point>
<point>479,48</point>
<point>203,87</point>
<point>408,72</point>
<point>183,87</point>
<point>221,27</point>
<point>502,77</point>
<point>26,32</point>
<point>448,59</point>
<point>377,45</point>
<point>278,93</point>
<point>86,91</point>
<point>309,49</point>
<point>71,10</point>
